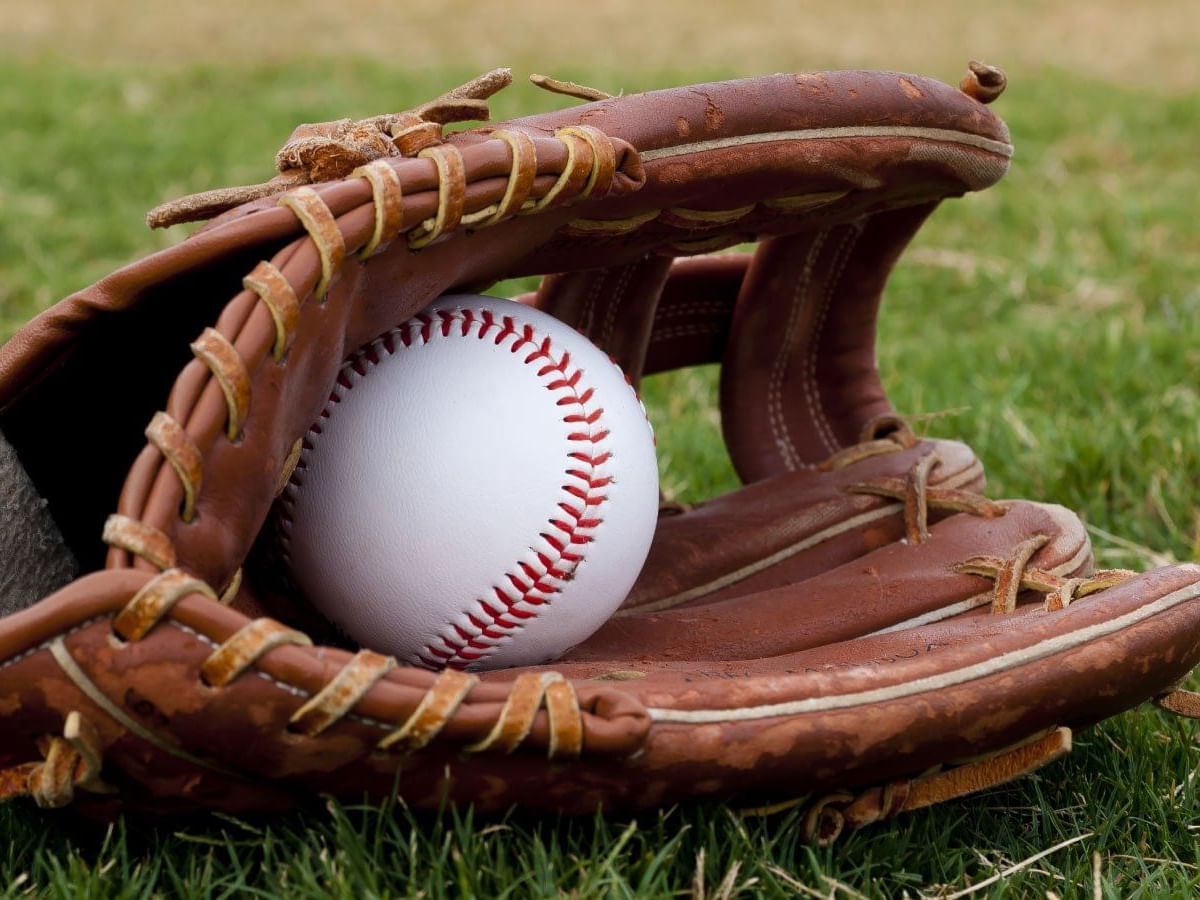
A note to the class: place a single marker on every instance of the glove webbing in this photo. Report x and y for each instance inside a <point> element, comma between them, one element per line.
<point>589,168</point>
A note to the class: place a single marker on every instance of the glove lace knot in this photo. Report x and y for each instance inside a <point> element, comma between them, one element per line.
<point>919,497</point>
<point>325,151</point>
<point>343,148</point>
<point>69,761</point>
<point>1015,574</point>
<point>874,441</point>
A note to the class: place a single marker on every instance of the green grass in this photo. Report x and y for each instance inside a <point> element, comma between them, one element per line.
<point>1052,323</point>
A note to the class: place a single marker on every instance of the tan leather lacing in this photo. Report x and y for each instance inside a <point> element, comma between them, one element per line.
<point>452,177</point>
<point>520,179</point>
<point>610,227</point>
<point>520,710</point>
<point>800,203</point>
<point>289,466</point>
<point>232,588</point>
<point>330,150</point>
<point>603,165</point>
<point>323,229</point>
<point>880,435</point>
<point>569,177</point>
<point>983,82</point>
<point>215,351</point>
<point>387,194</point>
<point>1014,575</point>
<point>682,217</point>
<point>343,692</point>
<point>568,88</point>
<point>327,151</point>
<point>69,762</point>
<point>436,708</point>
<point>181,452</point>
<point>253,641</point>
<point>1011,575</point>
<point>528,694</point>
<point>278,297</point>
<point>583,175</point>
<point>155,600</point>
<point>827,817</point>
<point>142,540</point>
<point>919,498</point>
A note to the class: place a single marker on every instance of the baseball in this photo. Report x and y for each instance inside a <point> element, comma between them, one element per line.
<point>480,490</point>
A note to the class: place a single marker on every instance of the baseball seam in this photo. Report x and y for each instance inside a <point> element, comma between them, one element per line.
<point>527,585</point>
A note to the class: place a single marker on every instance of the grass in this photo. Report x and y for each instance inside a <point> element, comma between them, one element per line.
<point>1150,44</point>
<point>1052,323</point>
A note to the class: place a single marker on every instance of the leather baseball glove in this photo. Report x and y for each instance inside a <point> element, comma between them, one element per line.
<point>858,623</point>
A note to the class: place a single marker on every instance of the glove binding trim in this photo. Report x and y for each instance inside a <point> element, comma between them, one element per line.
<point>80,679</point>
<point>836,133</point>
<point>1002,663</point>
<point>945,495</point>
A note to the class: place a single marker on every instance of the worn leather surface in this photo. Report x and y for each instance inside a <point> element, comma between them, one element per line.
<point>791,636</point>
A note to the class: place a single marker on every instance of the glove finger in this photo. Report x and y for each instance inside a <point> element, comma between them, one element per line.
<point>614,307</point>
<point>787,528</point>
<point>799,379</point>
<point>652,315</point>
<point>887,706</point>
<point>887,588</point>
<point>1155,602</point>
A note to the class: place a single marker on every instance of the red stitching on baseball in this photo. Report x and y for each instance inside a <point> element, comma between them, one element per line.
<point>524,588</point>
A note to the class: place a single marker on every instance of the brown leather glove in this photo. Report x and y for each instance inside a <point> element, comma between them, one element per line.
<point>858,614</point>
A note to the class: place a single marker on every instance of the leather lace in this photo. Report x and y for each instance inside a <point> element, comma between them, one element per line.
<point>327,151</point>
<point>70,761</point>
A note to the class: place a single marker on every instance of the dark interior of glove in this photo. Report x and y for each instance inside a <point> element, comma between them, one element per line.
<point>77,431</point>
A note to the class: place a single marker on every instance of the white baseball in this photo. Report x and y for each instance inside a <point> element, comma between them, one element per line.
<point>480,491</point>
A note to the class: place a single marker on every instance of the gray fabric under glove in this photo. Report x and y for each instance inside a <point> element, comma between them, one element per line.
<point>34,561</point>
